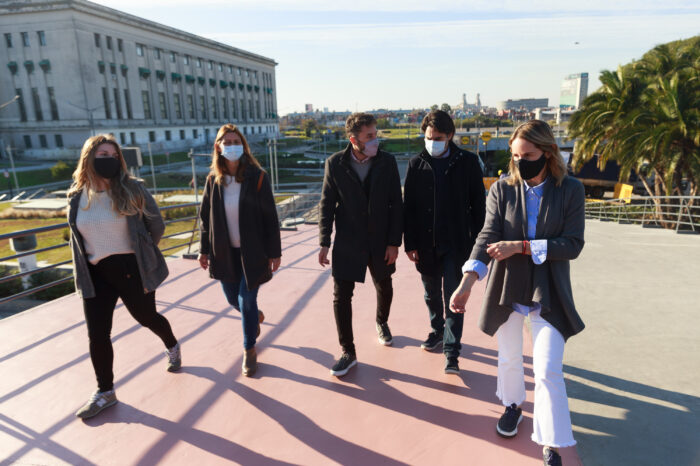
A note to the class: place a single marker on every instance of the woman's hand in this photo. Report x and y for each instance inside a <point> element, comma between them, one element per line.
<point>275,264</point>
<point>412,255</point>
<point>203,261</point>
<point>458,300</point>
<point>504,249</point>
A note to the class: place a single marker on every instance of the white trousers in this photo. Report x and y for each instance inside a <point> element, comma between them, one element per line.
<point>551,418</point>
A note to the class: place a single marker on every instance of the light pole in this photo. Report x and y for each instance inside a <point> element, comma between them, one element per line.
<point>89,111</point>
<point>9,102</point>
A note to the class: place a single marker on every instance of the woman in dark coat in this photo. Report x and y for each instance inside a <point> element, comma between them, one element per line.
<point>534,226</point>
<point>240,236</point>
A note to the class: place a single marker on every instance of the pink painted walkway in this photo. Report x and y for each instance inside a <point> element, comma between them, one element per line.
<point>397,407</point>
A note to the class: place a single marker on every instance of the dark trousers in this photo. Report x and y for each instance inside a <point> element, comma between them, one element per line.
<point>243,300</point>
<point>342,306</point>
<point>438,290</point>
<point>114,277</point>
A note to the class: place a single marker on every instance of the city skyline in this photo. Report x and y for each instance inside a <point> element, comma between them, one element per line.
<point>369,55</point>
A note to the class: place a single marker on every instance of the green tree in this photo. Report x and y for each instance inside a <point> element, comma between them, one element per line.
<point>646,117</point>
<point>62,170</point>
<point>309,126</point>
<point>434,107</point>
<point>446,108</point>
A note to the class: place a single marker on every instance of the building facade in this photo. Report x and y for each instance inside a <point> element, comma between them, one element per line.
<point>80,68</point>
<point>574,90</point>
<point>527,104</point>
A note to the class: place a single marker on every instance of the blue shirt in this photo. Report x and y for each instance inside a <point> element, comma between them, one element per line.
<point>538,247</point>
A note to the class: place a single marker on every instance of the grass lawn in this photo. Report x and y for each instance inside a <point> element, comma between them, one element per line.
<point>50,238</point>
<point>413,146</point>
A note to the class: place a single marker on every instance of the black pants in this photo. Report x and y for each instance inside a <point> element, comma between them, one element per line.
<point>342,306</point>
<point>114,277</point>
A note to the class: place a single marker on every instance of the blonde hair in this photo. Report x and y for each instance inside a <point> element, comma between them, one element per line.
<point>218,161</point>
<point>540,134</point>
<point>125,190</point>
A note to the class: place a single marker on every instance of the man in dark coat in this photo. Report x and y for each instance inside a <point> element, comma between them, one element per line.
<point>444,210</point>
<point>362,194</point>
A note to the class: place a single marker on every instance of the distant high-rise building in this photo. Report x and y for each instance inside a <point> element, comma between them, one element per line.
<point>574,90</point>
<point>309,108</point>
<point>478,101</point>
<point>464,101</point>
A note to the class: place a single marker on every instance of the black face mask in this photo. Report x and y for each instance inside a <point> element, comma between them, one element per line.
<point>107,167</point>
<point>530,168</point>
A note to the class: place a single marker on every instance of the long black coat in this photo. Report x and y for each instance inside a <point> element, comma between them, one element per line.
<point>467,208</point>
<point>368,216</point>
<point>258,223</point>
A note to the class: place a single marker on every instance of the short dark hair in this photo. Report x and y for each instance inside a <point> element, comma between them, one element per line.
<point>355,122</point>
<point>439,120</point>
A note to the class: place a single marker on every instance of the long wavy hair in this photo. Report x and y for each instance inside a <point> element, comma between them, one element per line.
<point>540,134</point>
<point>218,161</point>
<point>125,190</point>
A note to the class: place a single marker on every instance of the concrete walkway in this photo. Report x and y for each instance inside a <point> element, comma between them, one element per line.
<point>633,375</point>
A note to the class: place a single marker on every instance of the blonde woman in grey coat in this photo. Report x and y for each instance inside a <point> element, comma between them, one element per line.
<point>534,226</point>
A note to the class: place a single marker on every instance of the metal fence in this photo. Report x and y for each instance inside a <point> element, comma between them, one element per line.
<point>682,213</point>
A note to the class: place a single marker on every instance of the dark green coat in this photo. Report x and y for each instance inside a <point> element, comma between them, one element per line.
<point>368,216</point>
<point>260,233</point>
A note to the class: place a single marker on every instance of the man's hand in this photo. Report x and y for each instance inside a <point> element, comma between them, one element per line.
<point>412,255</point>
<point>323,256</point>
<point>458,300</point>
<point>275,264</point>
<point>392,252</point>
<point>203,261</point>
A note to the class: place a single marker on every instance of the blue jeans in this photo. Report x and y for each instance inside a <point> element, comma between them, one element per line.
<point>243,300</point>
<point>438,290</point>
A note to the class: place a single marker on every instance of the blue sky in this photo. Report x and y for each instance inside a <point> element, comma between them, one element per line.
<point>363,54</point>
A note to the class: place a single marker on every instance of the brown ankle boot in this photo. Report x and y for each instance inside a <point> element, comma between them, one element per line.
<point>250,362</point>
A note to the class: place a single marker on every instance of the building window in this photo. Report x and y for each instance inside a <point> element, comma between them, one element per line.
<point>161,103</point>
<point>194,134</point>
<point>190,106</point>
<point>168,135</point>
<point>122,139</point>
<point>42,141</point>
<point>156,52</point>
<point>182,134</point>
<point>178,108</point>
<point>213,108</point>
<point>59,140</point>
<point>105,102</point>
<point>52,103</point>
<point>203,107</point>
<point>221,67</point>
<point>238,71</point>
<point>152,136</point>
<point>257,109</point>
<point>108,40</point>
<point>199,63</point>
<point>120,45</point>
<point>230,69</point>
<point>224,106</point>
<point>8,40</point>
<point>173,57</point>
<point>132,137</point>
<point>234,107</point>
<point>251,113</point>
<point>25,38</point>
<point>146,105</point>
<point>27,141</point>
<point>97,40</point>
<point>118,105</point>
<point>22,108</point>
<point>210,65</point>
<point>139,50</point>
<point>127,103</point>
<point>186,60</point>
<point>37,104</point>
<point>42,38</point>
<point>245,130</point>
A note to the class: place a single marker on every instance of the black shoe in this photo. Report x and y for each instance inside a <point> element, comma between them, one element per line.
<point>551,457</point>
<point>508,423</point>
<point>433,341</point>
<point>343,365</point>
<point>384,334</point>
<point>452,365</point>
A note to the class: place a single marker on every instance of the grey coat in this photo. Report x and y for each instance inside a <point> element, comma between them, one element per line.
<point>144,232</point>
<point>517,279</point>
<point>368,216</point>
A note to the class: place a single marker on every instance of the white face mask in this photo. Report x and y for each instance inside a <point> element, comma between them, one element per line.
<point>371,147</point>
<point>233,152</point>
<point>435,148</point>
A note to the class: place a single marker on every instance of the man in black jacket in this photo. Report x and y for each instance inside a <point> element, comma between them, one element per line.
<point>444,210</point>
<point>362,194</point>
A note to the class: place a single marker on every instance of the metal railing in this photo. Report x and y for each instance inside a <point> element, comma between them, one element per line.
<point>682,213</point>
<point>60,226</point>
